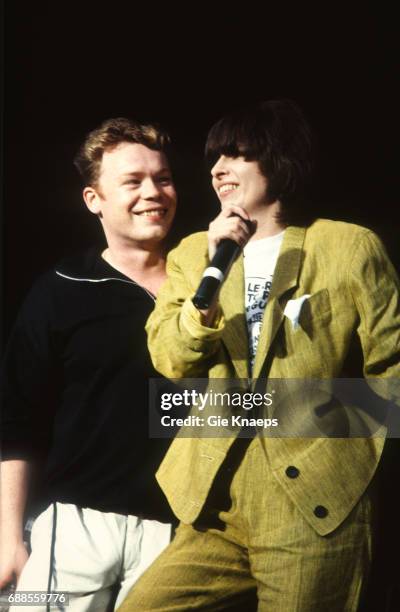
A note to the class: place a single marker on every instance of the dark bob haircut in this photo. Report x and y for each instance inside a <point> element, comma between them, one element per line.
<point>277,135</point>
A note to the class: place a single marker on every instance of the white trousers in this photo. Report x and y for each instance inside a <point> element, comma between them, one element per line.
<point>96,554</point>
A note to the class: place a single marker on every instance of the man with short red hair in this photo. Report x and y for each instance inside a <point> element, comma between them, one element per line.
<point>74,388</point>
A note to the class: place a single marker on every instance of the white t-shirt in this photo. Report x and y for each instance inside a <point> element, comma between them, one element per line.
<point>260,257</point>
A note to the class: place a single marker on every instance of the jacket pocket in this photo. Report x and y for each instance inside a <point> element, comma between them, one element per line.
<point>316,308</point>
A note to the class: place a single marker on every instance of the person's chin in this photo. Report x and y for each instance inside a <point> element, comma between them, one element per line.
<point>231,200</point>
<point>157,235</point>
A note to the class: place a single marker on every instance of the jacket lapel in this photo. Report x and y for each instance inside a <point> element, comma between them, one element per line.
<point>235,336</point>
<point>285,278</point>
<point>235,333</point>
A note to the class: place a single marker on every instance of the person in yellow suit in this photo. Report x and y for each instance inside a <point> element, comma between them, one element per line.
<point>289,518</point>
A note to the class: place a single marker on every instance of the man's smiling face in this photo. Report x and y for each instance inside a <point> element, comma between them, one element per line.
<point>135,196</point>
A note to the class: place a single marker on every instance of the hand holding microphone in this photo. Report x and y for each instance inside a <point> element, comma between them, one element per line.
<point>227,235</point>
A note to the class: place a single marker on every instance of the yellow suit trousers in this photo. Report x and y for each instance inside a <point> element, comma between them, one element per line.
<point>253,540</point>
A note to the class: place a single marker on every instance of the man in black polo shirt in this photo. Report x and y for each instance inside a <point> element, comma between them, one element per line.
<point>74,384</point>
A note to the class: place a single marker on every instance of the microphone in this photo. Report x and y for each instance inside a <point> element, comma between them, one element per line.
<point>214,275</point>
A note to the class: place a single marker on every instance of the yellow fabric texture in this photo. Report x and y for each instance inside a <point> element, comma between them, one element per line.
<point>353,287</point>
<point>265,557</point>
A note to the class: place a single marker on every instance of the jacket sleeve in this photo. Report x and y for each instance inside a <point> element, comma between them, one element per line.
<point>375,289</point>
<point>28,378</point>
<point>180,346</point>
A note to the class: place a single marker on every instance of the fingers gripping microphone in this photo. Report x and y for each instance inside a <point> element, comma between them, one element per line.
<point>215,274</point>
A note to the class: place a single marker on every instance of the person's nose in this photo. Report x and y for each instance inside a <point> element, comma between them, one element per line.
<point>220,168</point>
<point>150,189</point>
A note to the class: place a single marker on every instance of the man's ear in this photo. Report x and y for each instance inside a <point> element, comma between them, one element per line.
<point>92,200</point>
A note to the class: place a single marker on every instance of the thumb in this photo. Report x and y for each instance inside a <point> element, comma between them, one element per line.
<point>6,578</point>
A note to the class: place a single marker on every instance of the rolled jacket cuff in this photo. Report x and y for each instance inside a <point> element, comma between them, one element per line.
<point>191,322</point>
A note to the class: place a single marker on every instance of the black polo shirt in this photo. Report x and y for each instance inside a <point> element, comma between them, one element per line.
<point>74,390</point>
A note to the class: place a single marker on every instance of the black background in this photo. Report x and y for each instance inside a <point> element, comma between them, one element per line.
<point>70,65</point>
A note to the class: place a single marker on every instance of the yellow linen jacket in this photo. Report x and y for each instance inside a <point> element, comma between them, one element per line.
<point>354,289</point>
